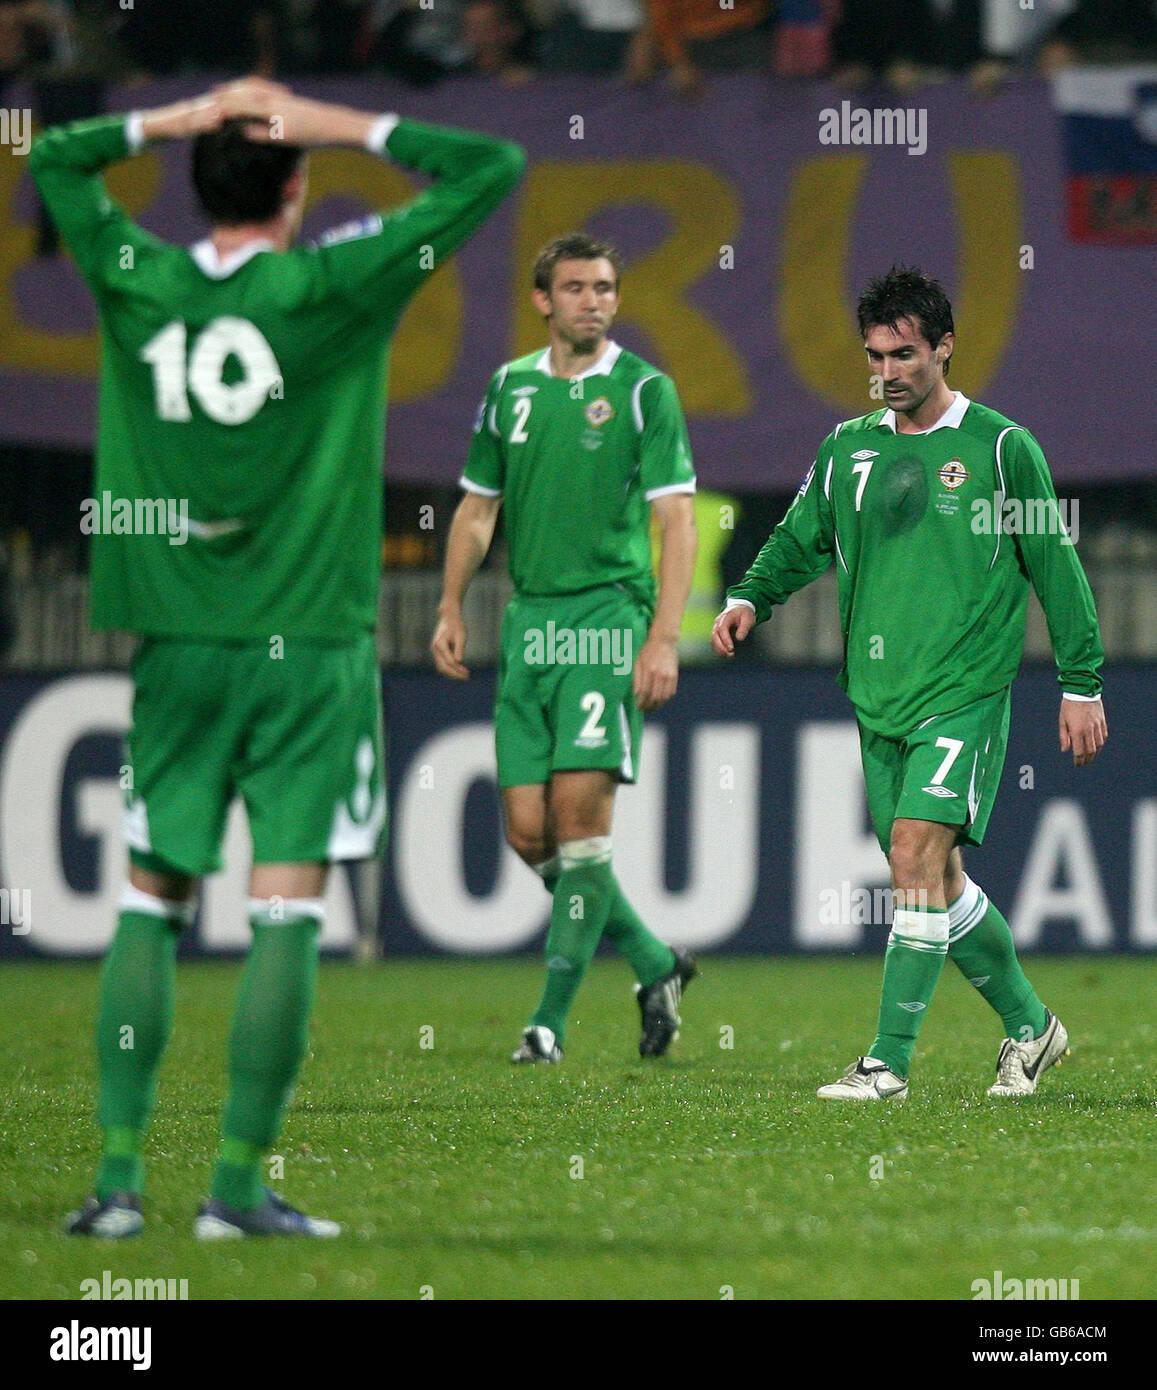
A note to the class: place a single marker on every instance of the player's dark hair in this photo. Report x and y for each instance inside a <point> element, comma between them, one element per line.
<point>907,293</point>
<point>575,246</point>
<point>239,180</point>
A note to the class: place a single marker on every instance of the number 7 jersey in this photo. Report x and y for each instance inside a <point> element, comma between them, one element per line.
<point>935,538</point>
<point>248,396</point>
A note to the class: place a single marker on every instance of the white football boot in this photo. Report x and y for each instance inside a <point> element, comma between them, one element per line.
<point>866,1079</point>
<point>538,1045</point>
<point>1019,1064</point>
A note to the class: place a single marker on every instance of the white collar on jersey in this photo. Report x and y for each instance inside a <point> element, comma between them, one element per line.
<point>205,254</point>
<point>950,420</point>
<point>601,368</point>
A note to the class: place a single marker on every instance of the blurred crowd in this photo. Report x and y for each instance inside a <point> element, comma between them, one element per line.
<point>900,43</point>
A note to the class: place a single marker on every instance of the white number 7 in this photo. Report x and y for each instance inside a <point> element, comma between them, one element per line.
<point>954,745</point>
<point>863,467</point>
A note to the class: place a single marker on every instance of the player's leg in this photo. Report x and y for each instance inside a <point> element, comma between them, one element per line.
<point>904,780</point>
<point>531,835</point>
<point>981,945</point>
<point>312,778</point>
<point>134,1022</point>
<point>267,1044</point>
<point>177,755</point>
<point>581,808</point>
<point>918,941</point>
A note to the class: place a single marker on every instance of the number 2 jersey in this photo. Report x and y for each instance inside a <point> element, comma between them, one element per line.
<point>577,460</point>
<point>252,393</point>
<point>935,538</point>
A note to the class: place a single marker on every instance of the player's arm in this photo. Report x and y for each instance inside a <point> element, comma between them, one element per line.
<point>67,161</point>
<point>797,551</point>
<point>1059,579</point>
<point>667,475</point>
<point>471,533</point>
<point>472,173</point>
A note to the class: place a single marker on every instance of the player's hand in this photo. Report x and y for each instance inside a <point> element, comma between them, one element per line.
<point>277,115</point>
<point>731,626</point>
<point>656,673</point>
<point>183,119</point>
<point>1083,729</point>
<point>449,646</point>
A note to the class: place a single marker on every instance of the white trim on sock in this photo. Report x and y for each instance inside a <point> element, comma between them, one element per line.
<point>967,910</point>
<point>288,909</point>
<point>920,931</point>
<point>148,904</point>
<point>548,866</point>
<point>574,853</point>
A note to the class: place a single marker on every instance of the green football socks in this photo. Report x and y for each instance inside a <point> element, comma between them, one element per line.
<point>267,1043</point>
<point>917,945</point>
<point>134,1020</point>
<point>582,901</point>
<point>980,943</point>
<point>648,957</point>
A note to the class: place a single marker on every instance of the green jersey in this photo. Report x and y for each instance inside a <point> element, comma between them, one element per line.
<point>576,461</point>
<point>242,402</point>
<point>935,538</point>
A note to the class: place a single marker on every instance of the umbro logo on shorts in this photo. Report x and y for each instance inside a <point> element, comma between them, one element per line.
<point>939,791</point>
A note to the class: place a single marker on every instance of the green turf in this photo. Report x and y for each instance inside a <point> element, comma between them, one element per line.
<point>714,1168</point>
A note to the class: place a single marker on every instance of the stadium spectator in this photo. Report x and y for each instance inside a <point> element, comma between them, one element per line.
<point>803,37</point>
<point>501,40</point>
<point>602,36</point>
<point>909,42</point>
<point>419,45</point>
<point>1102,31</point>
<point>203,36</point>
<point>695,34</point>
<point>34,35</point>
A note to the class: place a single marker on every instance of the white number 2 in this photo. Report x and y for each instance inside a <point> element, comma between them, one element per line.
<point>863,467</point>
<point>954,745</point>
<point>594,703</point>
<point>521,415</point>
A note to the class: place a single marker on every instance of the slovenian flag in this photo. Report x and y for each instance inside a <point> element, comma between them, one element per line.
<point>1109,120</point>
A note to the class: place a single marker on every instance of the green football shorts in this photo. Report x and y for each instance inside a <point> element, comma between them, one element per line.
<point>564,701</point>
<point>947,769</point>
<point>298,737</point>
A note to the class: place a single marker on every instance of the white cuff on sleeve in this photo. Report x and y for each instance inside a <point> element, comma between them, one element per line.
<point>735,602</point>
<point>1084,699</point>
<point>469,485</point>
<point>135,131</point>
<point>380,132</point>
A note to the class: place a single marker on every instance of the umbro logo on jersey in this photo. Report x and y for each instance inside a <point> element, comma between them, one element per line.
<point>953,474</point>
<point>599,412</point>
<point>913,1006</point>
<point>862,454</point>
<point>938,791</point>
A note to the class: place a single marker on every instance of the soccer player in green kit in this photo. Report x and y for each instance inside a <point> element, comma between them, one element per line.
<point>583,441</point>
<point>246,379</point>
<point>932,609</point>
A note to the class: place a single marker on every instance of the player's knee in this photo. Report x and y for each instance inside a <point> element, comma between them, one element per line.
<point>916,862</point>
<point>528,842</point>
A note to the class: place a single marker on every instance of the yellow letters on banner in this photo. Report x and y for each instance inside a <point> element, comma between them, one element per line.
<point>22,344</point>
<point>703,211</point>
<point>429,337</point>
<point>817,307</point>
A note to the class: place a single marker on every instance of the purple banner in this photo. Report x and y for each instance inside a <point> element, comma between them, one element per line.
<point>750,222</point>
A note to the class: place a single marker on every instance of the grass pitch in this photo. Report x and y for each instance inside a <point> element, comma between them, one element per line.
<point>710,1173</point>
